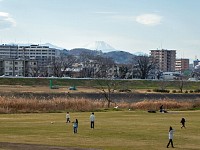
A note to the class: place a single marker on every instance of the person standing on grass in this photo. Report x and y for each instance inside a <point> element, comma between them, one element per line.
<point>67,117</point>
<point>183,123</point>
<point>75,126</point>
<point>92,119</point>
<point>161,108</point>
<point>171,133</point>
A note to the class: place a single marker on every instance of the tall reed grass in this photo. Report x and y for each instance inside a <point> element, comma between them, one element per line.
<point>22,105</point>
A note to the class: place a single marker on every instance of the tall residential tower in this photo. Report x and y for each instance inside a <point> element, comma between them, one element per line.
<point>165,59</point>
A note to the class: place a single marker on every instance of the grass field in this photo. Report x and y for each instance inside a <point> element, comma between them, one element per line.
<point>88,83</point>
<point>114,130</point>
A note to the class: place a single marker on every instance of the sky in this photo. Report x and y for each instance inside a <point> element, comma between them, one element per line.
<point>128,25</point>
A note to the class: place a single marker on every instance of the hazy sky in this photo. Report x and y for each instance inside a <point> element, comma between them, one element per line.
<point>129,25</point>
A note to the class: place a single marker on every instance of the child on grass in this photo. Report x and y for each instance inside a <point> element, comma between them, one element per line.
<point>75,126</point>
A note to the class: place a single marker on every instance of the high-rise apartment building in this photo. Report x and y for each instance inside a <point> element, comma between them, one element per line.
<point>165,59</point>
<point>182,65</point>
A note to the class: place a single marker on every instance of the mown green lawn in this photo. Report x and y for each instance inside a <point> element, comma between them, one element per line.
<point>114,130</point>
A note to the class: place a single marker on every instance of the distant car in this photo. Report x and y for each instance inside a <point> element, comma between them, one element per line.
<point>66,77</point>
<point>2,76</point>
<point>192,79</point>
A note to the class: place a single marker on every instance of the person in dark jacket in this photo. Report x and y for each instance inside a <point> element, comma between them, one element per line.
<point>183,123</point>
<point>161,108</point>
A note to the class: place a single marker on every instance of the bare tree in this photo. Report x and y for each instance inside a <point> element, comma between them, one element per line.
<point>181,84</point>
<point>107,87</point>
<point>144,65</point>
<point>123,70</point>
<point>104,65</point>
<point>33,71</point>
<point>59,65</point>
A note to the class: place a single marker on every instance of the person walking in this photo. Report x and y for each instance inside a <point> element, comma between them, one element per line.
<point>171,133</point>
<point>92,119</point>
<point>183,123</point>
<point>67,117</point>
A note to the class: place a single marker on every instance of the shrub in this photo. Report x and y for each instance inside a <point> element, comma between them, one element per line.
<point>197,91</point>
<point>191,91</point>
<point>161,90</point>
<point>173,91</point>
<point>125,90</point>
<point>148,90</point>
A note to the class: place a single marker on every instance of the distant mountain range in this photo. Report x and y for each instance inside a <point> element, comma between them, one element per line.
<point>119,57</point>
<point>95,48</point>
<point>104,49</point>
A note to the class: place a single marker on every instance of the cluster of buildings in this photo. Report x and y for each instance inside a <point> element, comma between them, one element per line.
<point>24,61</point>
<point>167,62</point>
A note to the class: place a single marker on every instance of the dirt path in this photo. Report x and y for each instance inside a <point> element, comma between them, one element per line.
<point>21,146</point>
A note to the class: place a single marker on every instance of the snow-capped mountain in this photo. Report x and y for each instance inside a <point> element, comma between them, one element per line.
<point>140,54</point>
<point>99,45</point>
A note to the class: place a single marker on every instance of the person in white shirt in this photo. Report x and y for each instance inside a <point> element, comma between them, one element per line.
<point>67,117</point>
<point>92,119</point>
<point>171,132</point>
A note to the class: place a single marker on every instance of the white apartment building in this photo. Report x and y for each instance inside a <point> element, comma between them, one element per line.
<point>29,52</point>
<point>37,52</point>
<point>8,51</point>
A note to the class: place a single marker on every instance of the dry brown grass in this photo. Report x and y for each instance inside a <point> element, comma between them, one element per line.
<point>22,105</point>
<point>168,104</point>
<point>16,105</point>
<point>155,105</point>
